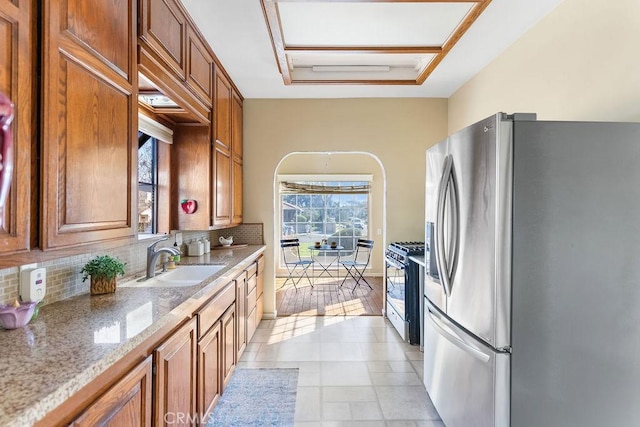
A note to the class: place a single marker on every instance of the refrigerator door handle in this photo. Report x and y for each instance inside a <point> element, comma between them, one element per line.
<point>439,231</point>
<point>455,233</point>
<point>446,271</point>
<point>449,333</point>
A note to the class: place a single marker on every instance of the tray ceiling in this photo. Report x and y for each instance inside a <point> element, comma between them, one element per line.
<point>378,42</point>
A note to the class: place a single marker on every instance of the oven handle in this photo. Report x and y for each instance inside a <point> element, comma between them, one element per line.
<point>394,263</point>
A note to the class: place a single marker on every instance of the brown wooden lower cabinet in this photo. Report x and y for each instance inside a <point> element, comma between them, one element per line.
<point>182,380</point>
<point>228,344</point>
<point>209,381</point>
<point>175,379</point>
<point>126,403</point>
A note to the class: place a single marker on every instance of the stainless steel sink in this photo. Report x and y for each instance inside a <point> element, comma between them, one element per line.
<point>184,275</point>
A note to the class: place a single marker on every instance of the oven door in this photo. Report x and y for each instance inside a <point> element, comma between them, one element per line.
<point>395,307</point>
<point>396,287</point>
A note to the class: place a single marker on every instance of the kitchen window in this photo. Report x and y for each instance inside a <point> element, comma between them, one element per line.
<point>147,184</point>
<point>153,176</point>
<point>315,208</point>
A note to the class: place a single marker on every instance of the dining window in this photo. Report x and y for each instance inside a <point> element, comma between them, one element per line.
<point>320,209</point>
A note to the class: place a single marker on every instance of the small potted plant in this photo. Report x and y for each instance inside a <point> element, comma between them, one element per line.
<point>103,270</point>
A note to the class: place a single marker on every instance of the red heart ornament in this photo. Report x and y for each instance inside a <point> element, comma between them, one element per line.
<point>189,206</point>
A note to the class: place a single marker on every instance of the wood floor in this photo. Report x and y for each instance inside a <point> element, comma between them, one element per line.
<point>325,299</point>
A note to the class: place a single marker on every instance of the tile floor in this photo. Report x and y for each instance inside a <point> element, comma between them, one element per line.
<point>353,370</point>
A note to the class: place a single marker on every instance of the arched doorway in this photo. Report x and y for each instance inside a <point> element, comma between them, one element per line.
<point>337,217</point>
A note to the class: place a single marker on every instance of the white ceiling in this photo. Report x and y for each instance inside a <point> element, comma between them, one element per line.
<point>237,33</point>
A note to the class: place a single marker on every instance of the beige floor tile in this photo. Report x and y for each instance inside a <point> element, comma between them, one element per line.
<point>332,411</point>
<point>353,371</point>
<point>405,403</point>
<point>267,353</point>
<point>344,374</point>
<point>365,411</point>
<point>306,379</point>
<point>308,406</point>
<point>382,351</point>
<point>299,351</point>
<point>379,366</point>
<point>395,378</point>
<point>401,366</point>
<point>340,351</point>
<point>349,394</point>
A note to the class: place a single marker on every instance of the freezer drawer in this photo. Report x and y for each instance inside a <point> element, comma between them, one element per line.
<point>467,381</point>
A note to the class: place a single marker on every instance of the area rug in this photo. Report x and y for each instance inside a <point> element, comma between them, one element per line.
<point>257,397</point>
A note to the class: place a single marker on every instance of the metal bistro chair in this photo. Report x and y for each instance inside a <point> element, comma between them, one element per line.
<point>296,267</point>
<point>355,267</point>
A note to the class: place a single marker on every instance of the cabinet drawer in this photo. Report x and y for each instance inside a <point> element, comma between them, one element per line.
<point>251,270</point>
<point>251,283</point>
<point>252,298</point>
<point>215,308</point>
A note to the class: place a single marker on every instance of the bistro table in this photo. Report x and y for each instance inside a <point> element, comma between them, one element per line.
<point>334,259</point>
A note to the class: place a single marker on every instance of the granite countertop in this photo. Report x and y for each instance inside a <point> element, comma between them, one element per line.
<point>74,340</point>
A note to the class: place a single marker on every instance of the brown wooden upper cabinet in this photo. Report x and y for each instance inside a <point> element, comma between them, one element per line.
<point>191,176</point>
<point>175,56</point>
<point>17,33</point>
<point>222,149</point>
<point>163,27</point>
<point>89,106</point>
<point>236,170</point>
<point>199,66</point>
<point>227,167</point>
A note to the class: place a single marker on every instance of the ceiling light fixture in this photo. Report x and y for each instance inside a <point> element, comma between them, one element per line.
<point>351,68</point>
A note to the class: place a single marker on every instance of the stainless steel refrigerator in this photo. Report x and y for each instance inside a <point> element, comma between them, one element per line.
<point>532,285</point>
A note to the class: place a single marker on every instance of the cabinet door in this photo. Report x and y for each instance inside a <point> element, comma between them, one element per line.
<point>241,314</point>
<point>222,185</point>
<point>163,27</point>
<point>222,110</point>
<point>89,122</point>
<point>127,403</point>
<point>191,175</point>
<point>209,368</point>
<point>16,71</point>
<point>228,344</point>
<point>199,66</point>
<point>236,191</point>
<point>236,126</point>
<point>175,382</point>
<point>236,145</point>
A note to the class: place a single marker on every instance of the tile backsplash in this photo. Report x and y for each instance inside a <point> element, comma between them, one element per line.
<point>63,275</point>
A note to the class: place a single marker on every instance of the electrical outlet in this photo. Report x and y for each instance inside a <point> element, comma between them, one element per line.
<point>28,266</point>
<point>178,238</point>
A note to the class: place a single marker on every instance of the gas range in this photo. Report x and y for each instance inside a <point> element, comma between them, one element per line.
<point>399,252</point>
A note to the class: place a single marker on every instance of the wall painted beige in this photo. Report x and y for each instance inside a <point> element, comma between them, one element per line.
<point>581,62</point>
<point>397,131</point>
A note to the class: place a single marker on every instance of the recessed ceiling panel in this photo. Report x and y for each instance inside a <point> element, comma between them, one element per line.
<point>397,42</point>
<point>357,67</point>
<point>369,24</point>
